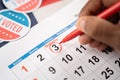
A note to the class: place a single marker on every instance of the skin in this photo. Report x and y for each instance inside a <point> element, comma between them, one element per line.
<point>99,33</point>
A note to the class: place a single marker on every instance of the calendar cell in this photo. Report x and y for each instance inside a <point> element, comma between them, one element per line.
<point>106,54</point>
<point>107,72</point>
<point>92,77</point>
<point>93,60</point>
<point>51,69</point>
<point>40,57</point>
<point>79,71</point>
<point>67,59</point>
<point>115,61</point>
<point>24,69</point>
<point>37,75</point>
<point>79,50</point>
<point>55,49</point>
<point>64,76</point>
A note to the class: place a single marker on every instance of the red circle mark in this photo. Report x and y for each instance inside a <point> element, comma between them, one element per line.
<point>60,47</point>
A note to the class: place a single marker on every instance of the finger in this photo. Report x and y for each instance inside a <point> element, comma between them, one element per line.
<point>94,7</point>
<point>84,39</point>
<point>101,47</point>
<point>100,30</point>
<point>90,9</point>
<point>109,3</point>
<point>94,44</point>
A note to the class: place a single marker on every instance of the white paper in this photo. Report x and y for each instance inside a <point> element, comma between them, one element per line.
<point>39,56</point>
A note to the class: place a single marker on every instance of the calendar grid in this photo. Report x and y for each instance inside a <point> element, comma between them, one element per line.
<point>76,61</point>
<point>71,53</point>
<point>112,60</point>
<point>91,69</point>
<point>82,57</point>
<point>103,59</point>
<point>37,69</point>
<point>54,57</point>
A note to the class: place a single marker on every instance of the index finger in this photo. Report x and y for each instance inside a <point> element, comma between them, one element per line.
<point>93,7</point>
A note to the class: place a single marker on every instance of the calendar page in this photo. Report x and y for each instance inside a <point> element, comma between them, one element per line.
<point>39,56</point>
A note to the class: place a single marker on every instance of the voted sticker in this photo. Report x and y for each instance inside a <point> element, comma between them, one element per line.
<point>24,6</point>
<point>13,25</point>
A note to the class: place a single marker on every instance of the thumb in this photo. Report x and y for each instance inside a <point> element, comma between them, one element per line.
<point>100,30</point>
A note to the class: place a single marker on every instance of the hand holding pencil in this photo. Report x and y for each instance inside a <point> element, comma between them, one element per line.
<point>99,33</point>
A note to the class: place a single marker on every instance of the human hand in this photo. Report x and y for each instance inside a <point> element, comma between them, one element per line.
<point>99,33</point>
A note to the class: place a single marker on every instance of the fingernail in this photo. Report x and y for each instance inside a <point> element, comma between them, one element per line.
<point>82,25</point>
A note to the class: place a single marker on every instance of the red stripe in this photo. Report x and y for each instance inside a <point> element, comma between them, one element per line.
<point>7,34</point>
<point>47,2</point>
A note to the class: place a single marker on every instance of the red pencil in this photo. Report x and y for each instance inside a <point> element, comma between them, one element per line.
<point>105,14</point>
